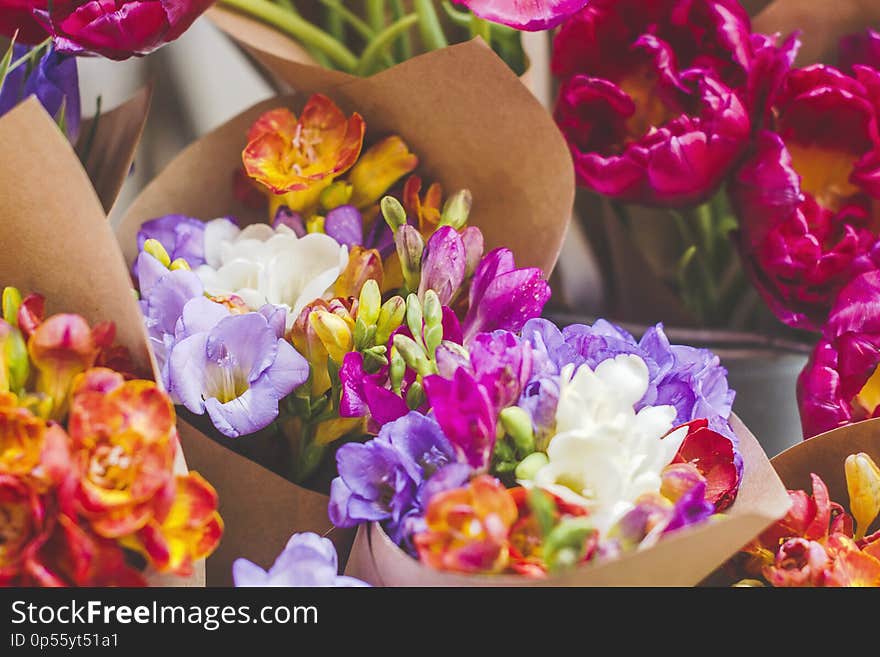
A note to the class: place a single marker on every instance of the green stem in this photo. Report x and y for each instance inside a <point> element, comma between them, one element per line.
<point>298,28</point>
<point>376,15</point>
<point>403,45</point>
<point>708,293</point>
<point>288,6</point>
<point>357,24</point>
<point>335,24</point>
<point>706,228</point>
<point>460,18</point>
<point>377,46</point>
<point>481,28</point>
<point>433,37</point>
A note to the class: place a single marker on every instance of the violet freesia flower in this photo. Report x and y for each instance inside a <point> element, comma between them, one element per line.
<point>237,370</point>
<point>345,225</point>
<point>368,394</point>
<point>650,100</point>
<point>444,264</point>
<point>528,15</point>
<point>380,480</point>
<point>53,80</point>
<point>839,384</point>
<point>182,236</point>
<point>502,296</point>
<point>307,560</point>
<point>807,193</point>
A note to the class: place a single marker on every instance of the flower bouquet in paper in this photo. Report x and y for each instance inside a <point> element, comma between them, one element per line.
<point>277,305</point>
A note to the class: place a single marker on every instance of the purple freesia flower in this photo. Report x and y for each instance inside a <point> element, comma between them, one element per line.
<point>381,480</point>
<point>367,394</point>
<point>502,296</point>
<point>284,216</point>
<point>464,410</point>
<point>53,80</point>
<point>164,294</point>
<point>182,237</point>
<point>307,560</point>
<point>692,508</point>
<point>345,225</point>
<point>236,369</point>
<point>444,263</point>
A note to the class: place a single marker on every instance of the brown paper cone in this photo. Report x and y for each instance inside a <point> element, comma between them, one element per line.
<point>108,155</point>
<point>514,162</point>
<point>57,240</point>
<point>682,559</point>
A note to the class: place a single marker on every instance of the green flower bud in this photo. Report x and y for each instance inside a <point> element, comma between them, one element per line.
<point>529,466</point>
<point>360,335</point>
<point>390,318</point>
<point>415,318</point>
<point>457,209</point>
<point>180,263</point>
<point>336,194</point>
<point>415,396</point>
<point>410,247</point>
<point>11,304</point>
<point>397,370</point>
<point>15,359</point>
<point>413,355</point>
<point>369,302</point>
<point>392,210</point>
<point>374,358</point>
<point>433,313</point>
<point>518,424</point>
<point>566,543</point>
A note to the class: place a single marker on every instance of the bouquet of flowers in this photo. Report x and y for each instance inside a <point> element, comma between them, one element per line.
<point>341,252</point>
<point>92,480</point>
<point>820,542</point>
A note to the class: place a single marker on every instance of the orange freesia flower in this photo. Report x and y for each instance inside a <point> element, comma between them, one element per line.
<point>29,446</point>
<point>850,566</point>
<point>61,348</point>
<point>425,209</point>
<point>468,528</point>
<point>287,154</point>
<point>363,264</point>
<point>378,169</point>
<point>124,442</point>
<point>24,526</point>
<point>189,530</point>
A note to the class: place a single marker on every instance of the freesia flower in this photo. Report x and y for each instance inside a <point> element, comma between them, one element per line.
<point>53,79</point>
<point>716,459</point>
<point>839,384</point>
<point>529,15</point>
<point>649,102</point>
<point>263,265</point>
<point>444,264</point>
<point>181,236</point>
<point>303,155</point>
<point>807,195</point>
<point>116,30</point>
<point>863,485</point>
<point>502,296</point>
<point>378,169</point>
<point>382,480</point>
<point>25,527</point>
<point>467,528</point>
<point>237,369</point>
<point>307,560</point>
<point>30,445</point>
<point>605,455</point>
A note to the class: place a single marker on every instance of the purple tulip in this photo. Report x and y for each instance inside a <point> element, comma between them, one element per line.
<point>502,296</point>
<point>53,80</point>
<point>444,262</point>
<point>182,237</point>
<point>237,370</point>
<point>307,560</point>
<point>466,414</point>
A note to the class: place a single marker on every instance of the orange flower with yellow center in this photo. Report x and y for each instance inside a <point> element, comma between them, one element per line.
<point>29,446</point>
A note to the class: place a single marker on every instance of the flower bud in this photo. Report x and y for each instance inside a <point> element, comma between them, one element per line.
<point>457,209</point>
<point>529,466</point>
<point>390,318</point>
<point>415,318</point>
<point>11,304</point>
<point>334,333</point>
<point>397,370</point>
<point>154,248</point>
<point>315,224</point>
<point>336,194</point>
<point>363,265</point>
<point>14,362</point>
<point>566,543</point>
<point>374,358</point>
<point>415,396</point>
<point>392,210</point>
<point>863,485</point>
<point>518,424</point>
<point>410,247</point>
<point>284,216</point>
<point>370,303</point>
<point>413,355</point>
<point>473,248</point>
<point>433,313</point>
<point>178,264</point>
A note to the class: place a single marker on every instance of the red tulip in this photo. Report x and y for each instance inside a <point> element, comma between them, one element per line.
<point>659,98</point>
<point>807,196</point>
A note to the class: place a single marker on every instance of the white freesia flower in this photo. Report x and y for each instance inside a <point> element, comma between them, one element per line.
<point>605,455</point>
<point>265,265</point>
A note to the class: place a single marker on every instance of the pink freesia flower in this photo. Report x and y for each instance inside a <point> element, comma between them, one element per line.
<point>529,15</point>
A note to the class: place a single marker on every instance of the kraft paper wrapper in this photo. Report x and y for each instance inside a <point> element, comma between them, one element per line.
<point>283,58</point>
<point>57,241</point>
<point>825,454</point>
<point>682,559</point>
<point>109,157</point>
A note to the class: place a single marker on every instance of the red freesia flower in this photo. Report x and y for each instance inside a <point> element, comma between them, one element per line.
<point>808,196</point>
<point>656,96</point>
<point>116,29</point>
<point>715,458</point>
<point>839,385</point>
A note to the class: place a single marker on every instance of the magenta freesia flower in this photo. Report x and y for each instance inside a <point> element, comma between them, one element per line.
<point>657,97</point>
<point>839,384</point>
<point>444,264</point>
<point>529,15</point>
<point>237,369</point>
<point>502,296</point>
<point>807,195</point>
<point>368,394</point>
